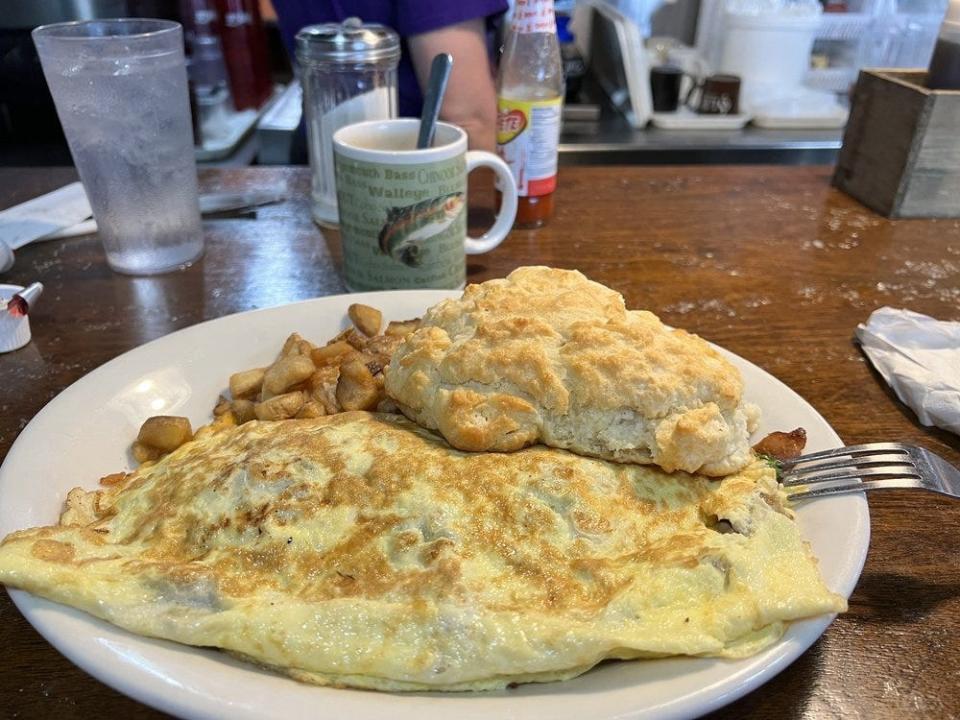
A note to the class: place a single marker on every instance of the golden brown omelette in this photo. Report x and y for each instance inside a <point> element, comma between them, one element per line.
<point>361,550</point>
<point>546,355</point>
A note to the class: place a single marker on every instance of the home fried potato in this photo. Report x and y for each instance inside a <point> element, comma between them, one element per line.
<point>401,328</point>
<point>243,410</point>
<point>143,453</point>
<point>322,387</point>
<point>305,381</point>
<point>382,347</point>
<point>331,354</point>
<point>287,372</point>
<point>356,338</point>
<point>311,409</point>
<point>366,319</point>
<point>280,407</point>
<point>246,384</point>
<point>165,432</point>
<point>223,405</point>
<point>357,389</point>
<point>296,345</point>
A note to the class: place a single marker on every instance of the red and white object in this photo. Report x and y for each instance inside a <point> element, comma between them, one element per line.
<point>15,304</point>
<point>531,16</point>
<point>528,133</point>
<point>529,98</point>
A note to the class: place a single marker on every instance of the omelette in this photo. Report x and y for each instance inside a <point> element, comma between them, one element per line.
<point>361,550</point>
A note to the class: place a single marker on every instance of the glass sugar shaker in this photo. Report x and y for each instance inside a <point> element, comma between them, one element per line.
<point>349,74</point>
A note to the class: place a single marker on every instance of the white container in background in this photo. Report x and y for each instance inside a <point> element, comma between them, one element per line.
<point>770,51</point>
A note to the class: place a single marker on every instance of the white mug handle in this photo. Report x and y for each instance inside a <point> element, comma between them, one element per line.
<point>508,206</point>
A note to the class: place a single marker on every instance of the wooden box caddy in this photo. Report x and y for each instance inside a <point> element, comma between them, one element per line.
<point>901,148</point>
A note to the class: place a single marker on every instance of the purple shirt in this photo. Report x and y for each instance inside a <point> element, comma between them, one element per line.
<point>407,17</point>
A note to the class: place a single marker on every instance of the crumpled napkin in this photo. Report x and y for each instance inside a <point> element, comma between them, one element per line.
<point>44,216</point>
<point>920,358</point>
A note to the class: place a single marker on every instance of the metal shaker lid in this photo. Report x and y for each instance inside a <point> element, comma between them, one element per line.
<point>348,42</point>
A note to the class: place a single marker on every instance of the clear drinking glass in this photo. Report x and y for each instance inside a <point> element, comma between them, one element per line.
<point>120,88</point>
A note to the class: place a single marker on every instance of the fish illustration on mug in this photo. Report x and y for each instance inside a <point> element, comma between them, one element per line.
<point>407,228</point>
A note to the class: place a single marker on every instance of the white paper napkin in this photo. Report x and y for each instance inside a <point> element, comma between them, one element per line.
<point>44,215</point>
<point>920,358</point>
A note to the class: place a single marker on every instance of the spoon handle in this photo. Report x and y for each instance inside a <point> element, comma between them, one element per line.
<point>436,87</point>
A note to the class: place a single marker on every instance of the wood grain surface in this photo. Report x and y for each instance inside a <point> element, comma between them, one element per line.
<point>769,262</point>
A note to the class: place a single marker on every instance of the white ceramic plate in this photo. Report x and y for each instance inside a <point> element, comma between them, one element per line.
<point>84,433</point>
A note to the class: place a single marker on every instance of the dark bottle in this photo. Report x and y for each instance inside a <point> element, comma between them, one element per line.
<point>573,66</point>
<point>245,51</point>
<point>945,65</point>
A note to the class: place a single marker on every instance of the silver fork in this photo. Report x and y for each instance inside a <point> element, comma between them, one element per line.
<point>875,466</point>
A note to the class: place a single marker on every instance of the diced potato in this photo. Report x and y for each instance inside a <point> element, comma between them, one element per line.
<point>225,420</point>
<point>311,409</point>
<point>280,407</point>
<point>323,376</point>
<point>144,453</point>
<point>165,432</point>
<point>382,347</point>
<point>305,381</point>
<point>246,384</point>
<point>367,319</point>
<point>401,328</point>
<point>357,339</point>
<point>287,372</point>
<point>331,354</point>
<point>243,411</point>
<point>296,345</point>
<point>322,386</point>
<point>357,389</point>
<point>222,406</point>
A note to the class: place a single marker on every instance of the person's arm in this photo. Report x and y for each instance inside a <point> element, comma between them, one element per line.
<point>471,100</point>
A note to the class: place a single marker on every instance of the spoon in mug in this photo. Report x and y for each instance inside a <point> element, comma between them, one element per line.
<point>436,87</point>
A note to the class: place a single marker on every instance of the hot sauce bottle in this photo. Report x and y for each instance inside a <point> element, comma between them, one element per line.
<point>245,52</point>
<point>530,93</point>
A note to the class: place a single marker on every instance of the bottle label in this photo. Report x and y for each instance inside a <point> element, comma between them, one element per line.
<point>528,132</point>
<point>533,16</point>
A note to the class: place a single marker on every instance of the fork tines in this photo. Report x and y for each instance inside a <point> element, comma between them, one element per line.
<point>875,461</point>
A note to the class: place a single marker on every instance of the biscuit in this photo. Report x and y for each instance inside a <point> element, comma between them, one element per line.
<point>548,356</point>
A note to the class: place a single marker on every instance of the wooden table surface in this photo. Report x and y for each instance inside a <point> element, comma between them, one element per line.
<point>769,262</point>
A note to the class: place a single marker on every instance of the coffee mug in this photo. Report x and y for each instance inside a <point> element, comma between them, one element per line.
<point>719,95</point>
<point>403,211</point>
<point>665,87</point>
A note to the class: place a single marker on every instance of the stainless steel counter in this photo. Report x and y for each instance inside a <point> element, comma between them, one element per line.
<point>611,140</point>
<point>602,136</point>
